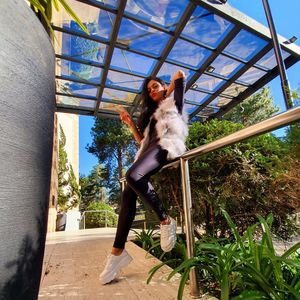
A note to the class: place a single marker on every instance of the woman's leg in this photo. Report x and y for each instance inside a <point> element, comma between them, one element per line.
<point>138,178</point>
<point>138,184</point>
<point>119,257</point>
<point>126,217</point>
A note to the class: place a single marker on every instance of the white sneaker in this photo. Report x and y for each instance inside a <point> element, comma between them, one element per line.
<point>113,265</point>
<point>168,236</point>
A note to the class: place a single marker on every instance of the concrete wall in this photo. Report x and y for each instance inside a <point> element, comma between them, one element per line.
<point>70,126</point>
<point>27,103</point>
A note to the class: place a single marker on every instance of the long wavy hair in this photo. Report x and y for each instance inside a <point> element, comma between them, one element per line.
<point>148,105</point>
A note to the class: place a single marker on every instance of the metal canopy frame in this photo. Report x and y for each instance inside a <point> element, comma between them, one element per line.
<point>202,109</point>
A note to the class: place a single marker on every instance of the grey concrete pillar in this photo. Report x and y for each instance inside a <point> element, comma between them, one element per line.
<point>26,129</point>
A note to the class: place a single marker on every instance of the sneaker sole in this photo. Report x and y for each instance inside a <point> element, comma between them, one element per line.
<point>171,245</point>
<point>112,275</point>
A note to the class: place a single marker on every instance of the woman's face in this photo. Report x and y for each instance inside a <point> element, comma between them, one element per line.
<point>156,90</point>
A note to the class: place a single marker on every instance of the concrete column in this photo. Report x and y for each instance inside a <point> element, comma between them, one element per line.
<point>27,103</point>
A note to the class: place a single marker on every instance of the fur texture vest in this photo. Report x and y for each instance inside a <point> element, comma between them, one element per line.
<point>171,129</point>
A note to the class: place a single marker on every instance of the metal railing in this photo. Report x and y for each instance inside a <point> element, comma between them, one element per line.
<point>268,125</point>
<point>265,126</point>
<point>106,212</point>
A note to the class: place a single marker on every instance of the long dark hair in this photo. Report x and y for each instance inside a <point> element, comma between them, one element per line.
<point>148,105</point>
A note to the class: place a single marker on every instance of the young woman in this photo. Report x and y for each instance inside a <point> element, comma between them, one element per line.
<point>164,132</point>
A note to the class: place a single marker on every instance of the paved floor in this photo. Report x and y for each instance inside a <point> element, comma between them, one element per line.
<point>73,261</point>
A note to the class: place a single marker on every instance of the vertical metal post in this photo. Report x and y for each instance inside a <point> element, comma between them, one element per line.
<point>84,220</point>
<point>123,183</point>
<point>189,227</point>
<point>282,71</point>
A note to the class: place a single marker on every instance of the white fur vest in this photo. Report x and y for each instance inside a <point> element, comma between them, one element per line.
<point>171,129</point>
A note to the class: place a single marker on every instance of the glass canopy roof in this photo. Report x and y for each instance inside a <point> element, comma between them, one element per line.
<point>226,55</point>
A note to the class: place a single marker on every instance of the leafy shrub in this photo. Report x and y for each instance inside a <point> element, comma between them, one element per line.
<point>244,268</point>
<point>106,217</point>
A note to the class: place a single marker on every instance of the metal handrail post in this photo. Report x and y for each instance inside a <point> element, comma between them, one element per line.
<point>123,183</point>
<point>277,49</point>
<point>84,220</point>
<point>190,240</point>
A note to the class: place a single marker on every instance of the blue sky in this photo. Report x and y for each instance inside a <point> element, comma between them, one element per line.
<point>287,21</point>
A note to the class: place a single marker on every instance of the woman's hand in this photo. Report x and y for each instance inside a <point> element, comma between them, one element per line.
<point>178,74</point>
<point>125,117</point>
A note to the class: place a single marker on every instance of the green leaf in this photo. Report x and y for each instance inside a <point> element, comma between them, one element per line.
<point>233,228</point>
<point>225,286</point>
<point>187,264</point>
<point>73,15</point>
<point>293,291</point>
<point>252,245</point>
<point>290,262</point>
<point>184,278</point>
<point>48,10</point>
<point>258,277</point>
<point>267,233</point>
<point>157,267</point>
<point>251,295</point>
<point>55,4</point>
<point>291,250</point>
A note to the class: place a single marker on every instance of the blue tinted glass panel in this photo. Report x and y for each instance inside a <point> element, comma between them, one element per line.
<point>97,21</point>
<point>75,70</point>
<point>164,13</point>
<point>188,54</point>
<point>220,101</point>
<point>208,83</point>
<point>109,3</point>
<point>206,27</point>
<point>168,70</point>
<point>117,95</point>
<point>225,66</point>
<point>74,88</point>
<point>189,108</point>
<point>132,62</point>
<point>245,45</point>
<point>70,101</point>
<point>269,60</point>
<point>234,90</point>
<point>141,37</point>
<point>124,80</point>
<point>78,47</point>
<point>195,97</point>
<point>252,75</point>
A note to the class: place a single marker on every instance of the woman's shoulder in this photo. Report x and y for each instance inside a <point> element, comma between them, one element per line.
<point>167,105</point>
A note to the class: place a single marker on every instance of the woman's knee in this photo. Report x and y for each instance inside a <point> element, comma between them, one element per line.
<point>132,176</point>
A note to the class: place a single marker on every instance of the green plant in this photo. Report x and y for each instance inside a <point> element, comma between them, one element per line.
<point>245,268</point>
<point>145,238</point>
<point>172,259</point>
<point>100,214</point>
<point>254,177</point>
<point>44,7</point>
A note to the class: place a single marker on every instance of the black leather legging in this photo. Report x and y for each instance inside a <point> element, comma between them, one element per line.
<point>138,184</point>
